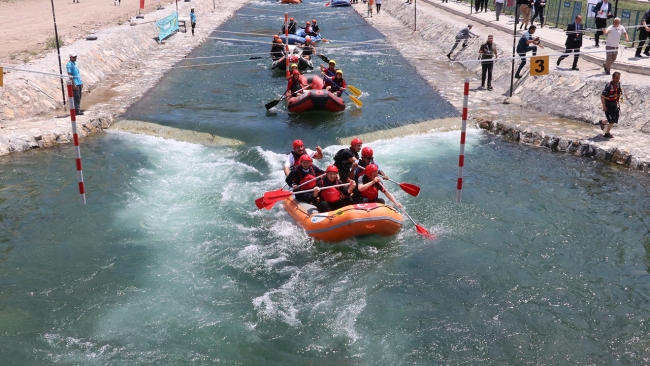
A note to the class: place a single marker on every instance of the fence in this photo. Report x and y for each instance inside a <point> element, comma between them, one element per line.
<point>559,13</point>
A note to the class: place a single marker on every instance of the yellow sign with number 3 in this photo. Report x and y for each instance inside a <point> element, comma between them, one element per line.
<point>539,65</point>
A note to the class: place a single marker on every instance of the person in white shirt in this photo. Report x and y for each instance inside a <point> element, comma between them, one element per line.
<point>297,152</point>
<point>614,33</point>
<point>498,4</point>
<point>603,11</point>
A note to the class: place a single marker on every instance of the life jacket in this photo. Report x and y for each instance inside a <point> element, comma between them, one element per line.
<point>311,174</point>
<point>296,158</point>
<point>340,162</point>
<point>294,85</point>
<point>614,92</point>
<point>372,193</point>
<point>308,50</point>
<point>330,195</point>
<point>315,29</point>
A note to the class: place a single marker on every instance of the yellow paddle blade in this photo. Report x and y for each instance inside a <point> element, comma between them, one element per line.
<point>354,90</point>
<point>356,101</point>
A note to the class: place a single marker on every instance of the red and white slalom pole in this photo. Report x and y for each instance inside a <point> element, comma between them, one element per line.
<point>75,139</point>
<point>463,133</point>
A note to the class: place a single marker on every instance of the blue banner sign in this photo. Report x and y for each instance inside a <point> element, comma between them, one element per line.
<point>626,14</point>
<point>167,26</point>
<point>567,4</point>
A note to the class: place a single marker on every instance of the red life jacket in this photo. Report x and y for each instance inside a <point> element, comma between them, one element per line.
<point>296,158</point>
<point>311,174</point>
<point>372,193</point>
<point>330,195</point>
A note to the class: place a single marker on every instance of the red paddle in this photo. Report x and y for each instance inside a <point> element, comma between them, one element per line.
<point>421,230</point>
<point>260,203</point>
<point>411,189</point>
<point>271,198</point>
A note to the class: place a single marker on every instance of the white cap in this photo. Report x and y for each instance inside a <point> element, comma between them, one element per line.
<point>73,54</point>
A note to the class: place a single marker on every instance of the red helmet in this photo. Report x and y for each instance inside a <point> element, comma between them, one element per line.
<point>308,23</point>
<point>305,157</point>
<point>332,168</point>
<point>366,151</point>
<point>291,19</point>
<point>297,143</point>
<point>356,141</point>
<point>296,72</point>
<point>371,169</point>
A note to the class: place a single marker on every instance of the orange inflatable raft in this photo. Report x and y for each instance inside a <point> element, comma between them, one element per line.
<point>346,222</point>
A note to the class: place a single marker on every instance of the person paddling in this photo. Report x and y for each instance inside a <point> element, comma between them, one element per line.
<point>315,29</point>
<point>367,158</point>
<point>369,185</point>
<point>277,48</point>
<point>336,85</point>
<point>302,174</point>
<point>295,85</point>
<point>330,70</point>
<point>333,198</point>
<point>308,48</point>
<point>346,160</point>
<point>291,27</point>
<point>293,159</point>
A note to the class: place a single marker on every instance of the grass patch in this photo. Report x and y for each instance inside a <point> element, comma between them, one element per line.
<point>50,43</point>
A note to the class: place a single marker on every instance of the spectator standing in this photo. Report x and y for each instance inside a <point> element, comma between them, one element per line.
<point>480,5</point>
<point>488,53</point>
<point>574,32</point>
<point>527,43</point>
<point>378,4</point>
<point>614,33</point>
<point>371,3</point>
<point>524,10</point>
<point>603,11</point>
<point>77,84</point>
<point>610,100</point>
<point>462,35</point>
<point>540,5</point>
<point>193,19</point>
<point>498,4</point>
<point>644,31</point>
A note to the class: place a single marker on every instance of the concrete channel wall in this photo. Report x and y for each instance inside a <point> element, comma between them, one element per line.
<point>563,94</point>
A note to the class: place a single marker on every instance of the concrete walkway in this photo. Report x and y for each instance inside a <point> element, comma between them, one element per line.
<point>552,38</point>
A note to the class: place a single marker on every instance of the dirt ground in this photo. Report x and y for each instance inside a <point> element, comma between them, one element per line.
<point>27,29</point>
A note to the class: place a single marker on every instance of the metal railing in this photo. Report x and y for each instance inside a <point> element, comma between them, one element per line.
<point>560,13</point>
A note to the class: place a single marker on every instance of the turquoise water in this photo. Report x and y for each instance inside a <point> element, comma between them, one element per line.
<point>544,262</point>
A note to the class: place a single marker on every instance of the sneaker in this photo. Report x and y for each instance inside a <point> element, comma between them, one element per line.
<point>490,88</point>
<point>575,68</point>
<point>638,55</point>
<point>608,135</point>
<point>80,113</point>
<point>647,54</point>
<point>558,62</point>
<point>449,55</point>
<point>517,76</point>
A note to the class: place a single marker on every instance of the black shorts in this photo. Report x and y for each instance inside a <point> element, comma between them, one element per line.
<point>612,112</point>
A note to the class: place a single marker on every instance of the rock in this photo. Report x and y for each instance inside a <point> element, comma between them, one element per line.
<point>513,100</point>
<point>621,155</point>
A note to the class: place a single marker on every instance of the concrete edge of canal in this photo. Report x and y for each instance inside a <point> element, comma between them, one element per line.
<point>578,136</point>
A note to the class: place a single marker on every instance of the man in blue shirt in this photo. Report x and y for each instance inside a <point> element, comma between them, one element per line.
<point>527,43</point>
<point>193,19</point>
<point>77,84</point>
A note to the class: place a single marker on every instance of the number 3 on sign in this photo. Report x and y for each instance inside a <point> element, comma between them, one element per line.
<point>539,65</point>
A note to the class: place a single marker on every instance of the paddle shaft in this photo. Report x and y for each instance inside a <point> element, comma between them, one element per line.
<point>330,79</point>
<point>311,190</point>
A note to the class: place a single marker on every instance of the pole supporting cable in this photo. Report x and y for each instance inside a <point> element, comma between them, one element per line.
<point>463,129</point>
